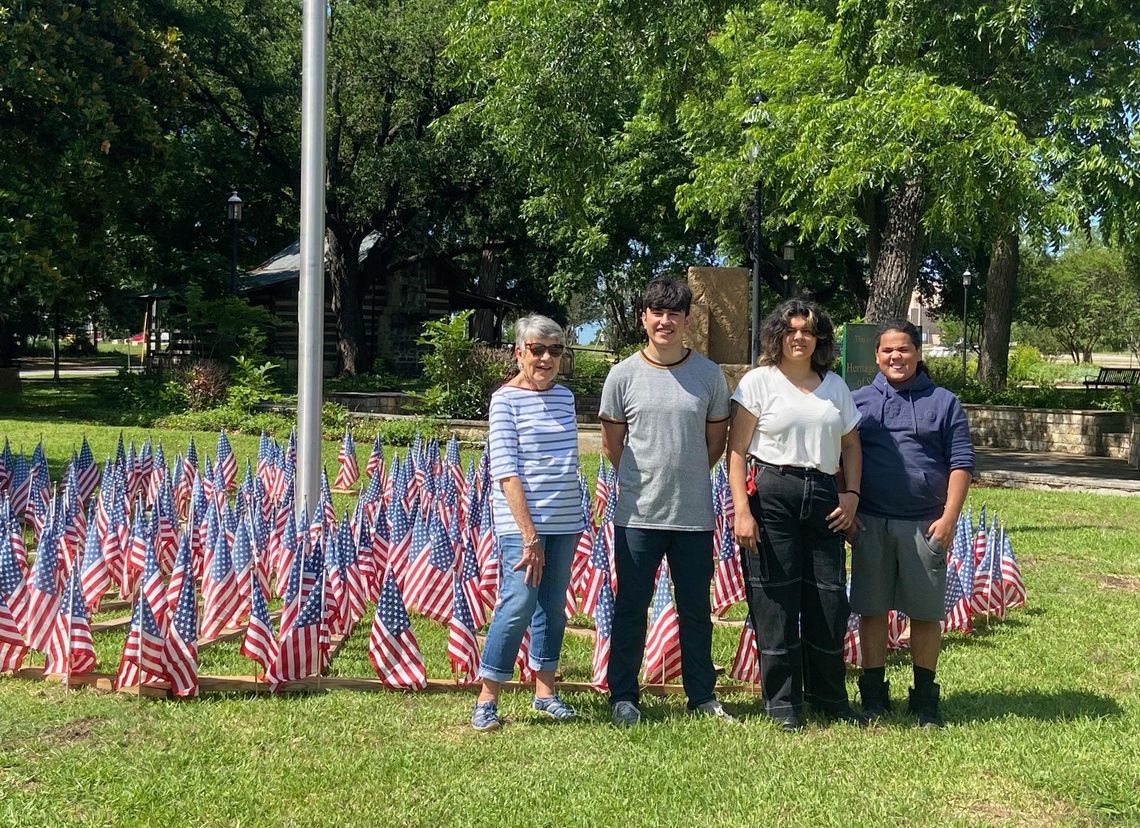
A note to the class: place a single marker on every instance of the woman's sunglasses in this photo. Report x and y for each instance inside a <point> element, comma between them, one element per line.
<point>540,350</point>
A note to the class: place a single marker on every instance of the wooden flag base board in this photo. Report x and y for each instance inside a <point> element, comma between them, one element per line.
<point>104,682</point>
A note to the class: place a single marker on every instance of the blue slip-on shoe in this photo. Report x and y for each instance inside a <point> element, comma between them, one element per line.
<point>554,707</point>
<point>485,717</point>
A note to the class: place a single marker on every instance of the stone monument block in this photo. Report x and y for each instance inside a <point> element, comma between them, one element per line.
<point>723,292</point>
<point>733,373</point>
<point>697,334</point>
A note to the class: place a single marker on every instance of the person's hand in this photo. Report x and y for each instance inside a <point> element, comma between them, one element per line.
<point>855,529</point>
<point>533,559</point>
<point>745,529</point>
<point>941,532</point>
<point>843,518</point>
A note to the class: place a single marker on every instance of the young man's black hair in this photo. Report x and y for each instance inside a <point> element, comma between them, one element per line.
<point>667,294</point>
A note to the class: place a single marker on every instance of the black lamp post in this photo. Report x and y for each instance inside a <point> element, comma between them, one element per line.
<point>788,255</point>
<point>233,213</point>
<point>757,241</point>
<point>966,277</point>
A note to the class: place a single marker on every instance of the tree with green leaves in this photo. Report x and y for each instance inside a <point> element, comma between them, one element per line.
<point>88,96</point>
<point>1086,297</point>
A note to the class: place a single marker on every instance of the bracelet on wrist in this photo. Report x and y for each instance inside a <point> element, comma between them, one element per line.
<point>527,544</point>
<point>852,491</point>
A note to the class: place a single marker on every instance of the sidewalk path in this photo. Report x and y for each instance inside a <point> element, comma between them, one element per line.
<point>1056,472</point>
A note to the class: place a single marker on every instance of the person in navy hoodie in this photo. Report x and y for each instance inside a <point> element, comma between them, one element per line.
<point>917,465</point>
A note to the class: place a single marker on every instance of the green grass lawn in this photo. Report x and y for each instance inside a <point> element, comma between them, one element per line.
<point>1043,715</point>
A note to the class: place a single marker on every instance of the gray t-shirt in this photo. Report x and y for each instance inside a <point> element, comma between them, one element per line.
<point>663,477</point>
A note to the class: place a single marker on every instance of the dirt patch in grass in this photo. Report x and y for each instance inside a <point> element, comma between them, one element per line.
<point>1019,806</point>
<point>1119,583</point>
<point>74,731</point>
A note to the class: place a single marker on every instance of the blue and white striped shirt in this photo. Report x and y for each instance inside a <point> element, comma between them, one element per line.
<point>533,435</point>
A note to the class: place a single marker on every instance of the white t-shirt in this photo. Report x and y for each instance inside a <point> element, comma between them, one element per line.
<point>794,428</point>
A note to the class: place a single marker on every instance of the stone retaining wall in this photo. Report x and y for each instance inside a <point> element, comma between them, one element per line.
<point>1090,433</point>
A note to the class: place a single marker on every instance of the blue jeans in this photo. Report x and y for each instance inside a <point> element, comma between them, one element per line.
<point>542,608</point>
<point>638,553</point>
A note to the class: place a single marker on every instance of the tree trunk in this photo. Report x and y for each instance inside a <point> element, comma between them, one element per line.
<point>898,255</point>
<point>1001,277</point>
<point>347,297</point>
<point>483,322</point>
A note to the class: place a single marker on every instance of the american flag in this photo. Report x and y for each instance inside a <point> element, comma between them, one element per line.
<point>479,602</point>
<point>181,656</point>
<point>190,461</point>
<point>522,660</point>
<point>96,576</point>
<point>227,462</point>
<point>303,650</point>
<point>957,604</point>
<point>988,594</point>
<point>13,585</point>
<point>400,539</point>
<point>43,593</point>
<point>598,572</point>
<point>392,647</point>
<point>221,598</point>
<point>260,642</point>
<point>144,653</point>
<point>71,648</point>
<point>87,472</point>
<point>348,471</point>
<point>1011,574</point>
<point>746,663</point>
<point>663,643</point>
<point>19,485</point>
<point>603,622</point>
<point>852,642</point>
<point>462,645</point>
<point>374,469</point>
<point>12,646</point>
<point>896,628</point>
<point>429,581</point>
<point>728,585</point>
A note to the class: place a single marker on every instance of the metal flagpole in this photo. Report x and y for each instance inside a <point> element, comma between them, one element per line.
<point>311,297</point>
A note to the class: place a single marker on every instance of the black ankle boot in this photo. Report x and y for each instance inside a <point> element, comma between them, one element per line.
<point>924,704</point>
<point>876,696</point>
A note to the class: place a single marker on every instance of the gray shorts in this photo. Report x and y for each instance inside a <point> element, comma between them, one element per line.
<point>894,566</point>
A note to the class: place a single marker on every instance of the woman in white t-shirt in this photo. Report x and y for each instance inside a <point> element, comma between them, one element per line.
<point>793,421</point>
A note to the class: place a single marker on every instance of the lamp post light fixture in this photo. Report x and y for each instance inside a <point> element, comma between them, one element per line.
<point>966,278</point>
<point>233,213</point>
<point>788,256</point>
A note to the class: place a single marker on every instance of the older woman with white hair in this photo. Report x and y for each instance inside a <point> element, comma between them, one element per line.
<point>533,448</point>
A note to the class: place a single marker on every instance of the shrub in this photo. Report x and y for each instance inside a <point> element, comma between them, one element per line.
<point>590,370</point>
<point>463,373</point>
<point>1026,365</point>
<point>251,383</point>
<point>206,384</point>
<point>141,398</point>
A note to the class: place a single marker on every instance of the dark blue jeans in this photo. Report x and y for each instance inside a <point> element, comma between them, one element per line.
<point>796,591</point>
<point>638,553</point>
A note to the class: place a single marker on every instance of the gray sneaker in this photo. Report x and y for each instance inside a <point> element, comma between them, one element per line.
<point>625,714</point>
<point>714,709</point>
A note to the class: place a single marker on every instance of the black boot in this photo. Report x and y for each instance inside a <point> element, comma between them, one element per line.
<point>876,696</point>
<point>924,704</point>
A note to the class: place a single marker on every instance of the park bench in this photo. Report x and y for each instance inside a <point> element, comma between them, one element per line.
<point>1115,377</point>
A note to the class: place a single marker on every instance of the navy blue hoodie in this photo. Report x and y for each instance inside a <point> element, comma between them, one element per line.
<point>912,438</point>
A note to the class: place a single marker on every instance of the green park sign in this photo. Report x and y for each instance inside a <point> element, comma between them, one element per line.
<point>859,367</point>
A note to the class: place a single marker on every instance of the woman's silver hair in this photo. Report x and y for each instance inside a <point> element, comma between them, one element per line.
<point>536,326</point>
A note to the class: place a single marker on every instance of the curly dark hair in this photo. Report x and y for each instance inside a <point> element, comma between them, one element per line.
<point>778,323</point>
